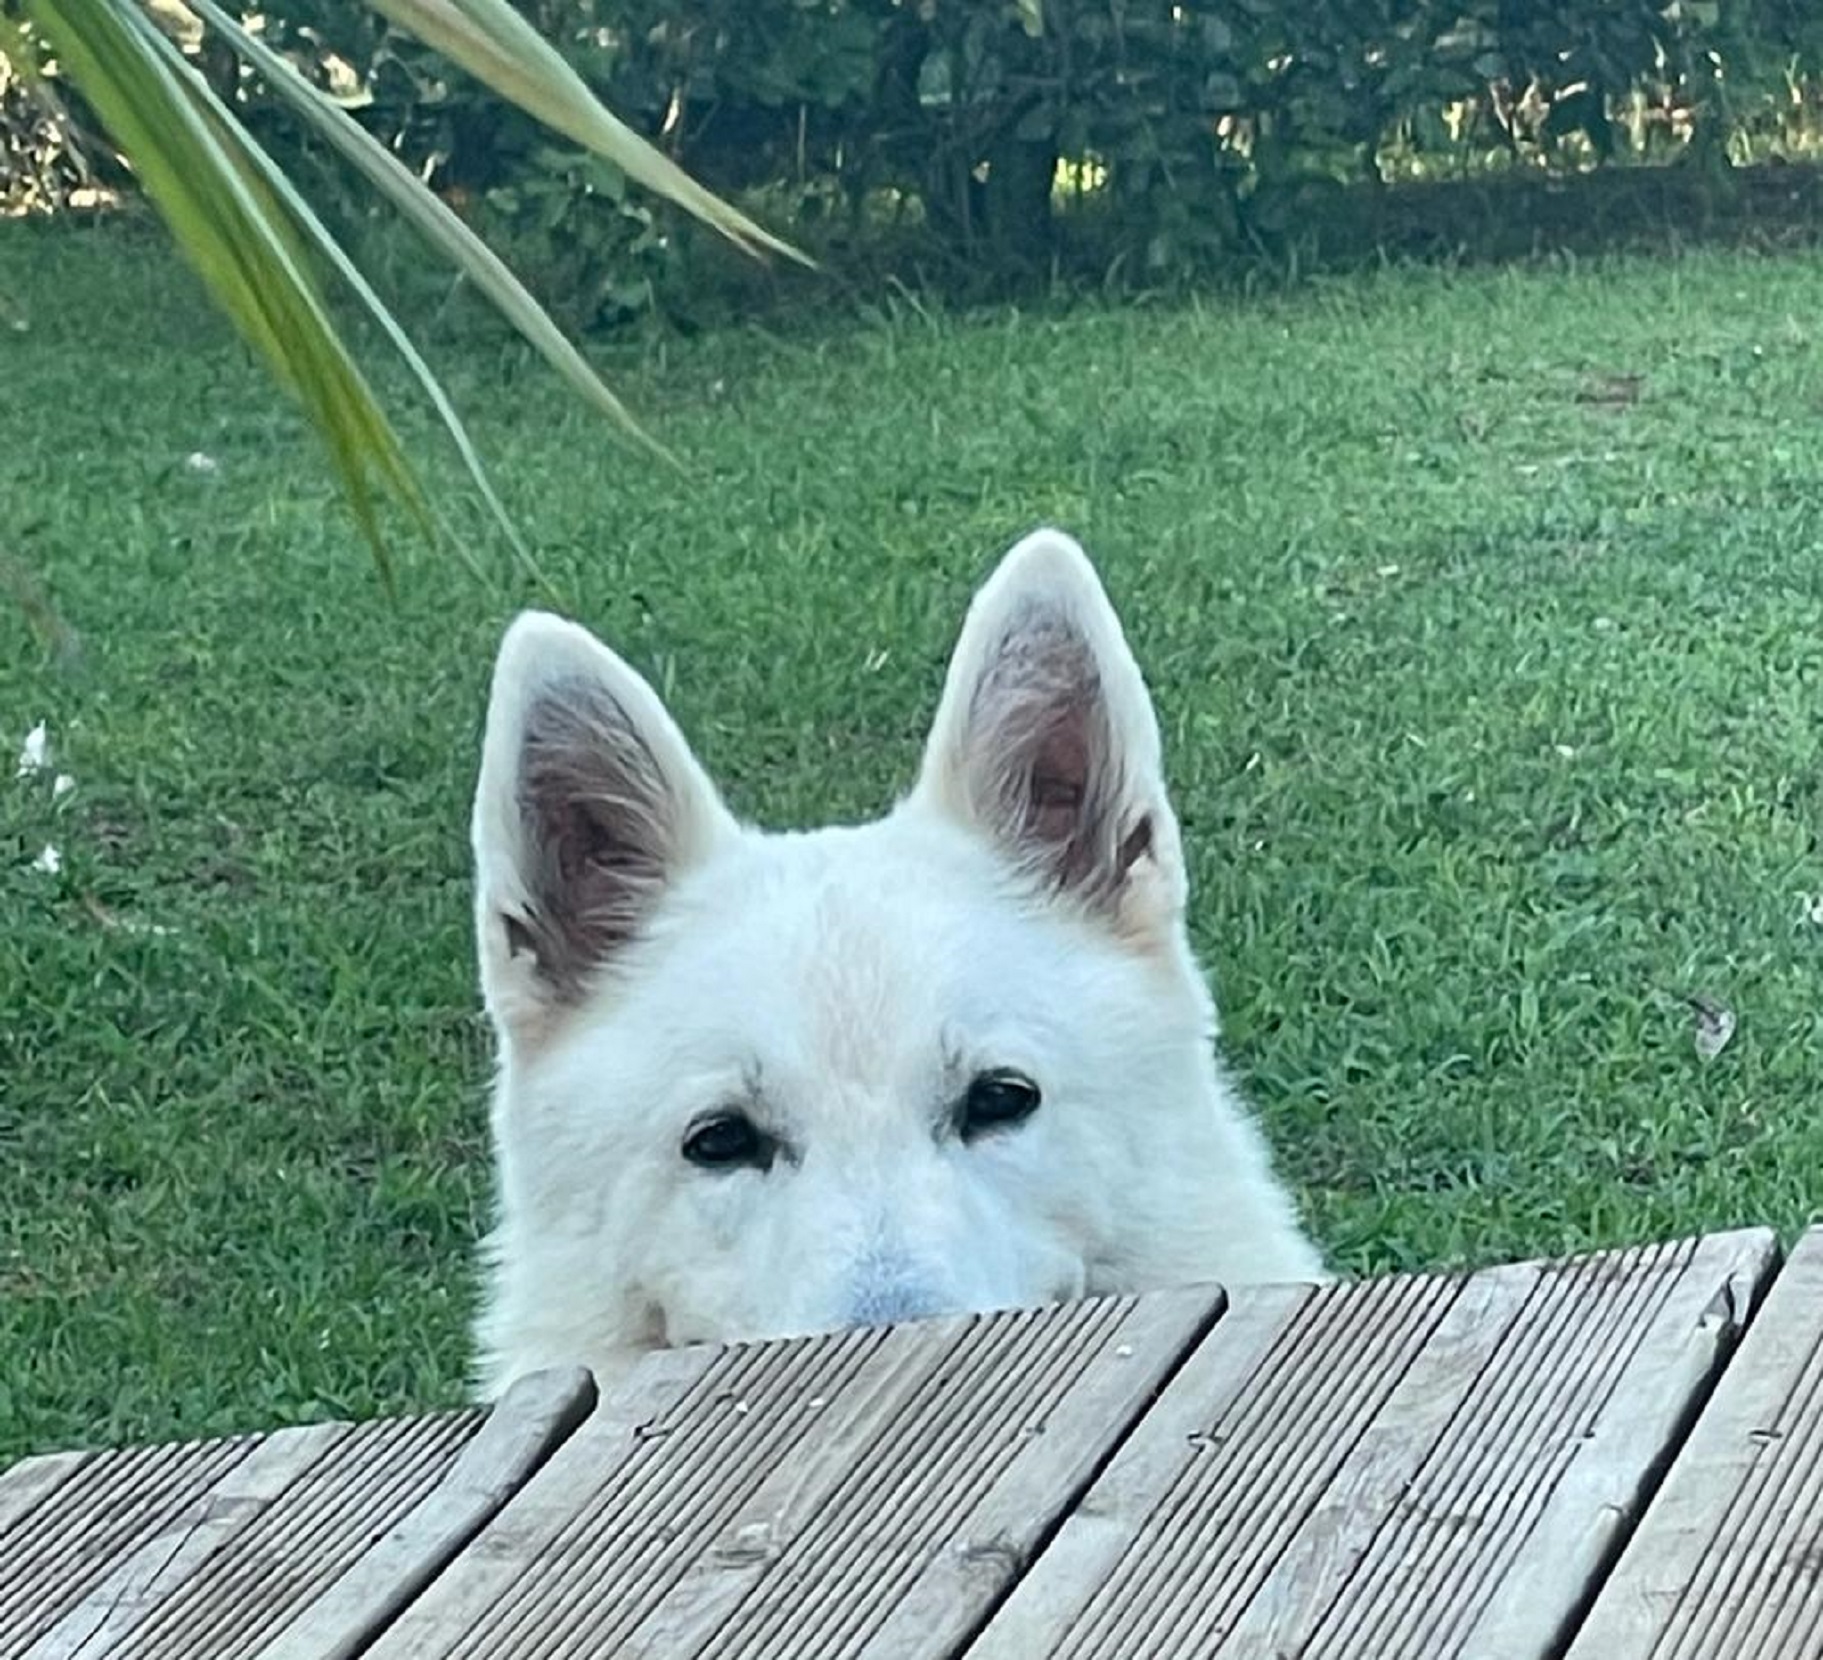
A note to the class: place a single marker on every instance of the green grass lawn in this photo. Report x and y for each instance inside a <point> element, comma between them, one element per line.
<point>1486,619</point>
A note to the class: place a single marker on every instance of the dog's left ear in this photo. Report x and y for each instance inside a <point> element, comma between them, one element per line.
<point>589,807</point>
<point>1046,741</point>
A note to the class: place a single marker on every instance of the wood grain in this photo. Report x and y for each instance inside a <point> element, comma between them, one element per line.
<point>1729,1558</point>
<point>869,1493</point>
<point>1417,1466</point>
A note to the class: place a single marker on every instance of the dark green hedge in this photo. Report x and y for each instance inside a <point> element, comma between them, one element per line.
<point>1188,127</point>
<point>1195,126</point>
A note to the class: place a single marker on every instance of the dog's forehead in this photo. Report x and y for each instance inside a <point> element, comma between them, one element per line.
<point>865,938</point>
<point>857,951</point>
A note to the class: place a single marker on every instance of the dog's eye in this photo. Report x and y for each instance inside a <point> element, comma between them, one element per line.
<point>727,1142</point>
<point>996,1101</point>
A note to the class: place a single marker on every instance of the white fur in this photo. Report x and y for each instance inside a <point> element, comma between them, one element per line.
<point>844,985</point>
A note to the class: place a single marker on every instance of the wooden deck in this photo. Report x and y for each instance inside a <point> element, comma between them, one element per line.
<point>1616,1456</point>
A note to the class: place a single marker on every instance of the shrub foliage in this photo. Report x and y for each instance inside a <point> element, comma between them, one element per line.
<point>1177,127</point>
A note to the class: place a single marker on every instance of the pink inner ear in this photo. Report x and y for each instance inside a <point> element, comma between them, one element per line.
<point>583,839</point>
<point>595,815</point>
<point>1059,785</point>
<point>1047,779</point>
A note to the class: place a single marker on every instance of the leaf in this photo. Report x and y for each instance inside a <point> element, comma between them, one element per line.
<point>19,51</point>
<point>431,216</point>
<point>496,45</point>
<point>1715,1025</point>
<point>304,216</point>
<point>1611,391</point>
<point>937,79</point>
<point>256,242</point>
<point>203,173</point>
<point>1222,91</point>
<point>440,225</point>
<point>1218,37</point>
<point>1039,122</point>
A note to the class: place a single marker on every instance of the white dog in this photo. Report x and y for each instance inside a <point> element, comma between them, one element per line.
<point>756,1085</point>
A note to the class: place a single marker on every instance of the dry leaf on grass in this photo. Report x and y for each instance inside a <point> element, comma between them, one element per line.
<point>1714,1025</point>
<point>1611,391</point>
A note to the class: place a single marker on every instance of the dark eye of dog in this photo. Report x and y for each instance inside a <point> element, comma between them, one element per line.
<point>727,1142</point>
<point>996,1101</point>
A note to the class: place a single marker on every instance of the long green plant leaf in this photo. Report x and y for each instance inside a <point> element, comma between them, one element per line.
<point>199,172</point>
<point>434,219</point>
<point>496,45</point>
<point>258,244</point>
<point>324,244</point>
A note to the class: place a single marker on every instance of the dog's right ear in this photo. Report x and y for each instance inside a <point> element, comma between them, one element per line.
<point>1046,742</point>
<point>589,803</point>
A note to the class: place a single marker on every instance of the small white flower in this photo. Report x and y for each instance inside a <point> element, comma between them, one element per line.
<point>35,752</point>
<point>61,786</point>
<point>198,462</point>
<point>50,861</point>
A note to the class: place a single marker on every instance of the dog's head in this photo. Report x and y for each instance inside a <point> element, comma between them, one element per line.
<point>757,1085</point>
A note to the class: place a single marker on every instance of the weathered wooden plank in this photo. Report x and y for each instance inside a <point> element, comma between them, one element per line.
<point>532,1527</point>
<point>533,1418</point>
<point>1648,1395</point>
<point>1103,1525</point>
<point>59,1548</point>
<point>166,1553</point>
<point>1415,1466</point>
<point>870,1493</point>
<point>178,1545</point>
<point>1728,1559</point>
<point>30,1481</point>
<point>965,1505</point>
<point>291,1547</point>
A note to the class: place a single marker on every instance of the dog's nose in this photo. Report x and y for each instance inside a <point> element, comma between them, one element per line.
<point>888,1308</point>
<point>886,1303</point>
